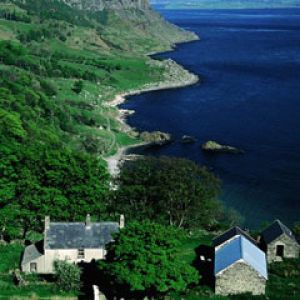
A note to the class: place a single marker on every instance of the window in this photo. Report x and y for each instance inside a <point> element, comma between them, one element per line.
<point>33,267</point>
<point>280,250</point>
<point>80,254</point>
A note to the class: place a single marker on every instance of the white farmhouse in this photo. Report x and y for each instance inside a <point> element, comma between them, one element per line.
<point>72,242</point>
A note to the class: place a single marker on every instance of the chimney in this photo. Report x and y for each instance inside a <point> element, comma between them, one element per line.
<point>122,221</point>
<point>88,222</point>
<point>47,222</point>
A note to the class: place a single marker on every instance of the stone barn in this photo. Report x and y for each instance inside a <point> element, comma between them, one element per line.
<point>279,242</point>
<point>72,242</point>
<point>230,235</point>
<point>240,267</point>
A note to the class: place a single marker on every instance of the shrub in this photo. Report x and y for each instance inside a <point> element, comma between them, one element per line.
<point>67,276</point>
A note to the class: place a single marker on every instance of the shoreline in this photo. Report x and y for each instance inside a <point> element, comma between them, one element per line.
<point>171,83</point>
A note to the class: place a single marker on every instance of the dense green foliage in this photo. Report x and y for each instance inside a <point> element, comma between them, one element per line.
<point>58,66</point>
<point>284,280</point>
<point>144,258</point>
<point>150,188</point>
<point>41,175</point>
<point>67,276</point>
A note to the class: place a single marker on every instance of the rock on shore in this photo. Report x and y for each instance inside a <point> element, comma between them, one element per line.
<point>214,147</point>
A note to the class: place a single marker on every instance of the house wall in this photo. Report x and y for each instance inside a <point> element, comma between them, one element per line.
<point>40,265</point>
<point>238,279</point>
<point>70,255</point>
<point>291,248</point>
<point>45,262</point>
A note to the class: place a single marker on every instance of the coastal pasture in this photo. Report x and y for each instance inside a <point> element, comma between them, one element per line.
<point>6,34</point>
<point>79,38</point>
<point>16,27</point>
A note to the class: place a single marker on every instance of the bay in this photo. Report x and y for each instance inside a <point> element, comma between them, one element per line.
<point>249,97</point>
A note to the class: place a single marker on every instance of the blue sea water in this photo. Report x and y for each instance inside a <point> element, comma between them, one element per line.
<point>250,98</point>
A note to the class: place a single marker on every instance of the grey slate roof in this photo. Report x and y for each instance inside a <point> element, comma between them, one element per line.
<point>229,234</point>
<point>32,252</point>
<point>79,236</point>
<point>241,250</point>
<point>275,230</point>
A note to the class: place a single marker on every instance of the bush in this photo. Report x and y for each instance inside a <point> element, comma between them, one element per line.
<point>49,88</point>
<point>67,276</point>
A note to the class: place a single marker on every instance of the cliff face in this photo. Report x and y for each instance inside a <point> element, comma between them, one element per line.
<point>140,23</point>
<point>99,5</point>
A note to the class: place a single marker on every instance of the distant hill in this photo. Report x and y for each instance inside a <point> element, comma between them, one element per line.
<point>224,4</point>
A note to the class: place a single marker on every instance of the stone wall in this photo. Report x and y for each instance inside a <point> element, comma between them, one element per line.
<point>240,278</point>
<point>291,248</point>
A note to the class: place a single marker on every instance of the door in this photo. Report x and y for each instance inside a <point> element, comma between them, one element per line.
<point>280,250</point>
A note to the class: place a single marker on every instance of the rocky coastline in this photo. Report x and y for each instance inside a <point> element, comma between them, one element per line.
<point>175,76</point>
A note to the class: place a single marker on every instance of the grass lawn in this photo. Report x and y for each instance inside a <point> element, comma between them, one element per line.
<point>10,256</point>
<point>190,245</point>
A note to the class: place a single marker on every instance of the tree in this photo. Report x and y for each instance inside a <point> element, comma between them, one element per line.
<point>67,276</point>
<point>38,181</point>
<point>9,229</point>
<point>59,183</point>
<point>144,257</point>
<point>169,190</point>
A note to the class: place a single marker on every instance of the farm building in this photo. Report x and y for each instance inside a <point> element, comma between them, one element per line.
<point>72,242</point>
<point>240,267</point>
<point>279,242</point>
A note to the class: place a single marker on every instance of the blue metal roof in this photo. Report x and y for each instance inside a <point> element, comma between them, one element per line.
<point>240,249</point>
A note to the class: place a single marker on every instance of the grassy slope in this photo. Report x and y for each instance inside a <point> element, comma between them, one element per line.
<point>117,42</point>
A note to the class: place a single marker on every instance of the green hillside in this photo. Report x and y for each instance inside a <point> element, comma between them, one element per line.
<point>60,67</point>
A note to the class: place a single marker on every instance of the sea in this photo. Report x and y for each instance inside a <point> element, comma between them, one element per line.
<point>249,97</point>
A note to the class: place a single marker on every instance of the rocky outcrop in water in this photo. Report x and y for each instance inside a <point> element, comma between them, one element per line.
<point>187,139</point>
<point>214,147</point>
<point>156,138</point>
